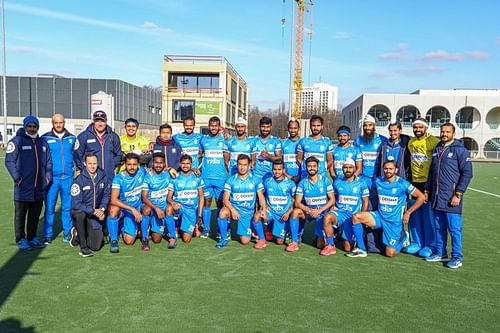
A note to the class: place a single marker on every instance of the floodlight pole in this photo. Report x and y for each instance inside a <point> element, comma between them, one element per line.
<point>4,79</point>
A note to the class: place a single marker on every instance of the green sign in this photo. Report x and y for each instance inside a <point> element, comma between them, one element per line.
<point>208,108</point>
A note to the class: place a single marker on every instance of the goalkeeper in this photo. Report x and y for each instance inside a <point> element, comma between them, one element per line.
<point>133,143</point>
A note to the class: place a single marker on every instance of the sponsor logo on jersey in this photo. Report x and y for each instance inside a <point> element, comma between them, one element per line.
<point>26,147</point>
<point>369,155</point>
<point>51,141</point>
<point>246,196</point>
<point>387,200</point>
<point>348,200</point>
<point>315,201</point>
<point>320,157</point>
<point>214,154</point>
<point>158,194</point>
<point>278,200</point>
<point>131,194</point>
<point>190,150</point>
<point>421,158</point>
<point>289,157</point>
<point>187,194</point>
<point>90,140</point>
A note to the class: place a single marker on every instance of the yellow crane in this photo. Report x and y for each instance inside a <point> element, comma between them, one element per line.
<point>299,57</point>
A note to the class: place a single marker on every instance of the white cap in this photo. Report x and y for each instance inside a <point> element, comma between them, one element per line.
<point>421,122</point>
<point>349,161</point>
<point>369,119</point>
<point>240,121</point>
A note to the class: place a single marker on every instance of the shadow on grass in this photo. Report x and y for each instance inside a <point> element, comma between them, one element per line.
<point>13,271</point>
<point>13,325</point>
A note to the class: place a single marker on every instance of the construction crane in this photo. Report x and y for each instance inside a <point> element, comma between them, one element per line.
<point>299,57</point>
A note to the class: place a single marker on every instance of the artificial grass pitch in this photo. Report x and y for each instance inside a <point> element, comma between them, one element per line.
<point>197,287</point>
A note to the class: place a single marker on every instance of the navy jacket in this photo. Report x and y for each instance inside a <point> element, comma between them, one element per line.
<point>172,152</point>
<point>30,165</point>
<point>87,195</point>
<point>404,158</point>
<point>451,171</point>
<point>62,151</point>
<point>109,154</point>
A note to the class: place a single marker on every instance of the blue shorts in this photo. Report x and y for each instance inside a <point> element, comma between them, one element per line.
<point>278,225</point>
<point>318,226</point>
<point>187,217</point>
<point>344,219</point>
<point>130,227</point>
<point>157,225</point>
<point>214,188</point>
<point>244,228</point>
<point>393,234</point>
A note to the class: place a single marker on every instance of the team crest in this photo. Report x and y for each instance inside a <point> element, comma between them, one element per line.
<point>321,189</point>
<point>394,190</point>
<point>194,183</point>
<point>355,190</point>
<point>271,146</point>
<point>450,155</point>
<point>10,147</point>
<point>174,150</point>
<point>248,146</point>
<point>322,148</point>
<point>77,145</point>
<point>75,190</point>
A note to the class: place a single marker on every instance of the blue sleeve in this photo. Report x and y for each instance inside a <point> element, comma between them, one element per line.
<point>117,149</point>
<point>465,169</point>
<point>78,151</point>
<point>77,201</point>
<point>11,159</point>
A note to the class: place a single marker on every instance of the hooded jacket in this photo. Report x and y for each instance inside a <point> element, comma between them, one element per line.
<point>404,158</point>
<point>62,166</point>
<point>171,150</point>
<point>88,194</point>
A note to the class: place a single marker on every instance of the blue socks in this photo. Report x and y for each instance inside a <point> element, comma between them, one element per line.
<point>207,214</point>
<point>171,226</point>
<point>358,234</point>
<point>112,223</point>
<point>145,227</point>
<point>329,240</point>
<point>259,229</point>
<point>222,224</point>
<point>294,229</point>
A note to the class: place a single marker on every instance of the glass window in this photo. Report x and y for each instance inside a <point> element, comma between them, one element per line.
<point>234,91</point>
<point>182,109</point>
<point>204,82</point>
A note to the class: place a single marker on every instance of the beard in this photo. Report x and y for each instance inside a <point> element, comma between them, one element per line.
<point>368,136</point>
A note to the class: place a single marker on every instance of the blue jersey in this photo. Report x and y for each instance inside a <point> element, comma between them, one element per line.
<point>234,147</point>
<point>315,195</point>
<point>213,166</point>
<point>289,149</point>
<point>318,148</point>
<point>190,145</point>
<point>157,187</point>
<point>348,195</point>
<point>369,152</point>
<point>243,193</point>
<point>392,198</point>
<point>263,166</point>
<point>341,154</point>
<point>279,194</point>
<point>130,187</point>
<point>185,189</point>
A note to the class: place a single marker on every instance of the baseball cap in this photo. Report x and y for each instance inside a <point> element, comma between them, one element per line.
<point>100,115</point>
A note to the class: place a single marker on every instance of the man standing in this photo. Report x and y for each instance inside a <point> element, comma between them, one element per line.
<point>344,151</point>
<point>313,199</point>
<point>396,149</point>
<point>289,148</point>
<point>29,163</point>
<point>266,149</point>
<point>315,145</point>
<point>99,139</point>
<point>449,177</point>
<point>90,195</point>
<point>421,223</point>
<point>241,192</point>
<point>392,192</point>
<point>213,170</point>
<point>189,141</point>
<point>236,145</point>
<point>133,143</point>
<point>369,144</point>
<point>171,150</point>
<point>61,143</point>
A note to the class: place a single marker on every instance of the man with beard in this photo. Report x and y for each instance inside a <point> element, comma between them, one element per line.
<point>313,199</point>
<point>266,150</point>
<point>315,145</point>
<point>449,177</point>
<point>343,151</point>
<point>154,197</point>
<point>133,143</point>
<point>171,150</point>
<point>351,197</point>
<point>396,149</point>
<point>189,142</point>
<point>61,144</point>
<point>421,223</point>
<point>369,146</point>
<point>236,145</point>
<point>213,170</point>
<point>289,148</point>
<point>392,192</point>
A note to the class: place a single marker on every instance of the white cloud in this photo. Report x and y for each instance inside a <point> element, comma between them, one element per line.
<point>442,55</point>
<point>420,71</point>
<point>153,27</point>
<point>477,55</point>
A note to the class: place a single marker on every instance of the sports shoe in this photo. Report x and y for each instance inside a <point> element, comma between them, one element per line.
<point>24,245</point>
<point>228,235</point>
<point>425,252</point>
<point>37,243</point>
<point>113,247</point>
<point>454,263</point>
<point>292,247</point>
<point>47,241</point>
<point>435,258</point>
<point>406,241</point>
<point>412,248</point>
<point>260,245</point>
<point>67,237</point>
<point>145,246</point>
<point>205,234</point>
<point>222,243</point>
<point>73,241</point>
<point>356,253</point>
<point>171,245</point>
<point>86,252</point>
<point>269,235</point>
<point>328,250</point>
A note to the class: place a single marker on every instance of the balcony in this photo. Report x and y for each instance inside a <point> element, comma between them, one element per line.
<point>194,92</point>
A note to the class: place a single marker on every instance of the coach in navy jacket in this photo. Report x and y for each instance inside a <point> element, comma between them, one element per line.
<point>29,163</point>
<point>449,176</point>
<point>100,139</point>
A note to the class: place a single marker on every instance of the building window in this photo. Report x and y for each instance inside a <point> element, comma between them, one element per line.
<point>234,91</point>
<point>182,109</point>
<point>193,82</point>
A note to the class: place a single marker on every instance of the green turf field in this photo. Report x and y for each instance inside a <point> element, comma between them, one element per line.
<point>199,288</point>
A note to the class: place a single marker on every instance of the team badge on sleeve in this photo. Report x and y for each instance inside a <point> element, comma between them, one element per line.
<point>75,190</point>
<point>77,144</point>
<point>10,147</point>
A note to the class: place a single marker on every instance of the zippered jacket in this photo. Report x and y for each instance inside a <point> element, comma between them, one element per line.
<point>63,166</point>
<point>88,194</point>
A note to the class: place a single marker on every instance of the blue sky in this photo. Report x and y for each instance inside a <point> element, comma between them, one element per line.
<point>360,46</point>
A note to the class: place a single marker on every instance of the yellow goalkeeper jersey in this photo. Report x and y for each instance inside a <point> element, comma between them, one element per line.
<point>421,156</point>
<point>139,143</point>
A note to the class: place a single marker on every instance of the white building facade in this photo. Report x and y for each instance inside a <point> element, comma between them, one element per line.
<point>474,112</point>
<point>319,97</point>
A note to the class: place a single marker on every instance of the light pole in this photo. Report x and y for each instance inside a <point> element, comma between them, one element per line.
<point>4,79</point>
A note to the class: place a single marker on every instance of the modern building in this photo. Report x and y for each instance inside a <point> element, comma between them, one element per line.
<point>202,87</point>
<point>474,112</point>
<point>45,95</point>
<point>320,97</point>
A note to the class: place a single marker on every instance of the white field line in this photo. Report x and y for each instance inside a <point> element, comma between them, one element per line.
<point>484,192</point>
